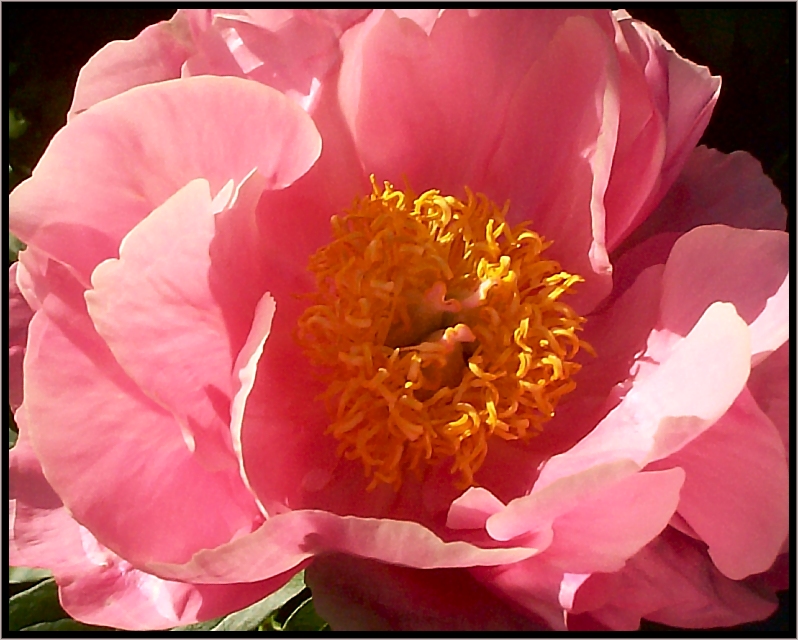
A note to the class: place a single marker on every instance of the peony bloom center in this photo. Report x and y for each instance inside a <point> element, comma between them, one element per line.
<point>436,327</point>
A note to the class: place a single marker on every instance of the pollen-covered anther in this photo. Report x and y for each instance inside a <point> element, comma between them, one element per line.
<point>437,328</point>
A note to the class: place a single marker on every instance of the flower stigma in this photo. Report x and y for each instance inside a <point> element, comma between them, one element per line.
<point>436,327</point>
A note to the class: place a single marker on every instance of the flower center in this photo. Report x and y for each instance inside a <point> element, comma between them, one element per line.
<point>436,327</point>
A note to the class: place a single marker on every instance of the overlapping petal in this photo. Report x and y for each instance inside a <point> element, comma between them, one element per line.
<point>19,315</point>
<point>129,451</point>
<point>208,127</point>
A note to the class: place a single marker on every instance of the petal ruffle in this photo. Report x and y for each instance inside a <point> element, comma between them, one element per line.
<point>117,595</point>
<point>287,539</point>
<point>291,50</point>
<point>641,143</point>
<point>617,522</point>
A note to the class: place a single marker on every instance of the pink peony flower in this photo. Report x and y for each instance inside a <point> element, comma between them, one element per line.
<point>247,359</point>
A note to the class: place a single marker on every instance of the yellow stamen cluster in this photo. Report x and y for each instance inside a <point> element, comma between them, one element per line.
<point>436,327</point>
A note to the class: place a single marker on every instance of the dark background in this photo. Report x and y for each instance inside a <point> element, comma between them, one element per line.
<point>752,46</point>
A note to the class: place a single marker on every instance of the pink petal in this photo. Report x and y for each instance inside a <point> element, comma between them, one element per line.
<point>472,509</point>
<point>566,163</point>
<point>619,335</point>
<point>340,20</point>
<point>302,211</point>
<point>112,159</point>
<point>95,585</point>
<point>769,383</point>
<point>116,595</point>
<point>736,494</point>
<point>354,594</point>
<point>671,581</point>
<point>536,512</point>
<point>747,268</point>
<point>668,406</point>
<point>719,188</point>
<point>156,54</point>
<point>245,369</point>
<point>41,532</point>
<point>154,310</point>
<point>211,54</point>
<point>618,523</point>
<point>31,265</point>
<point>529,584</point>
<point>424,18</point>
<point>457,80</point>
<point>19,316</point>
<point>116,446</point>
<point>292,50</point>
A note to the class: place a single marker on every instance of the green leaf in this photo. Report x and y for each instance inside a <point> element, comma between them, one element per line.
<point>66,624</point>
<point>17,125</point>
<point>305,618</point>
<point>17,575</point>
<point>15,245</point>
<point>208,625</point>
<point>252,617</point>
<point>34,605</point>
